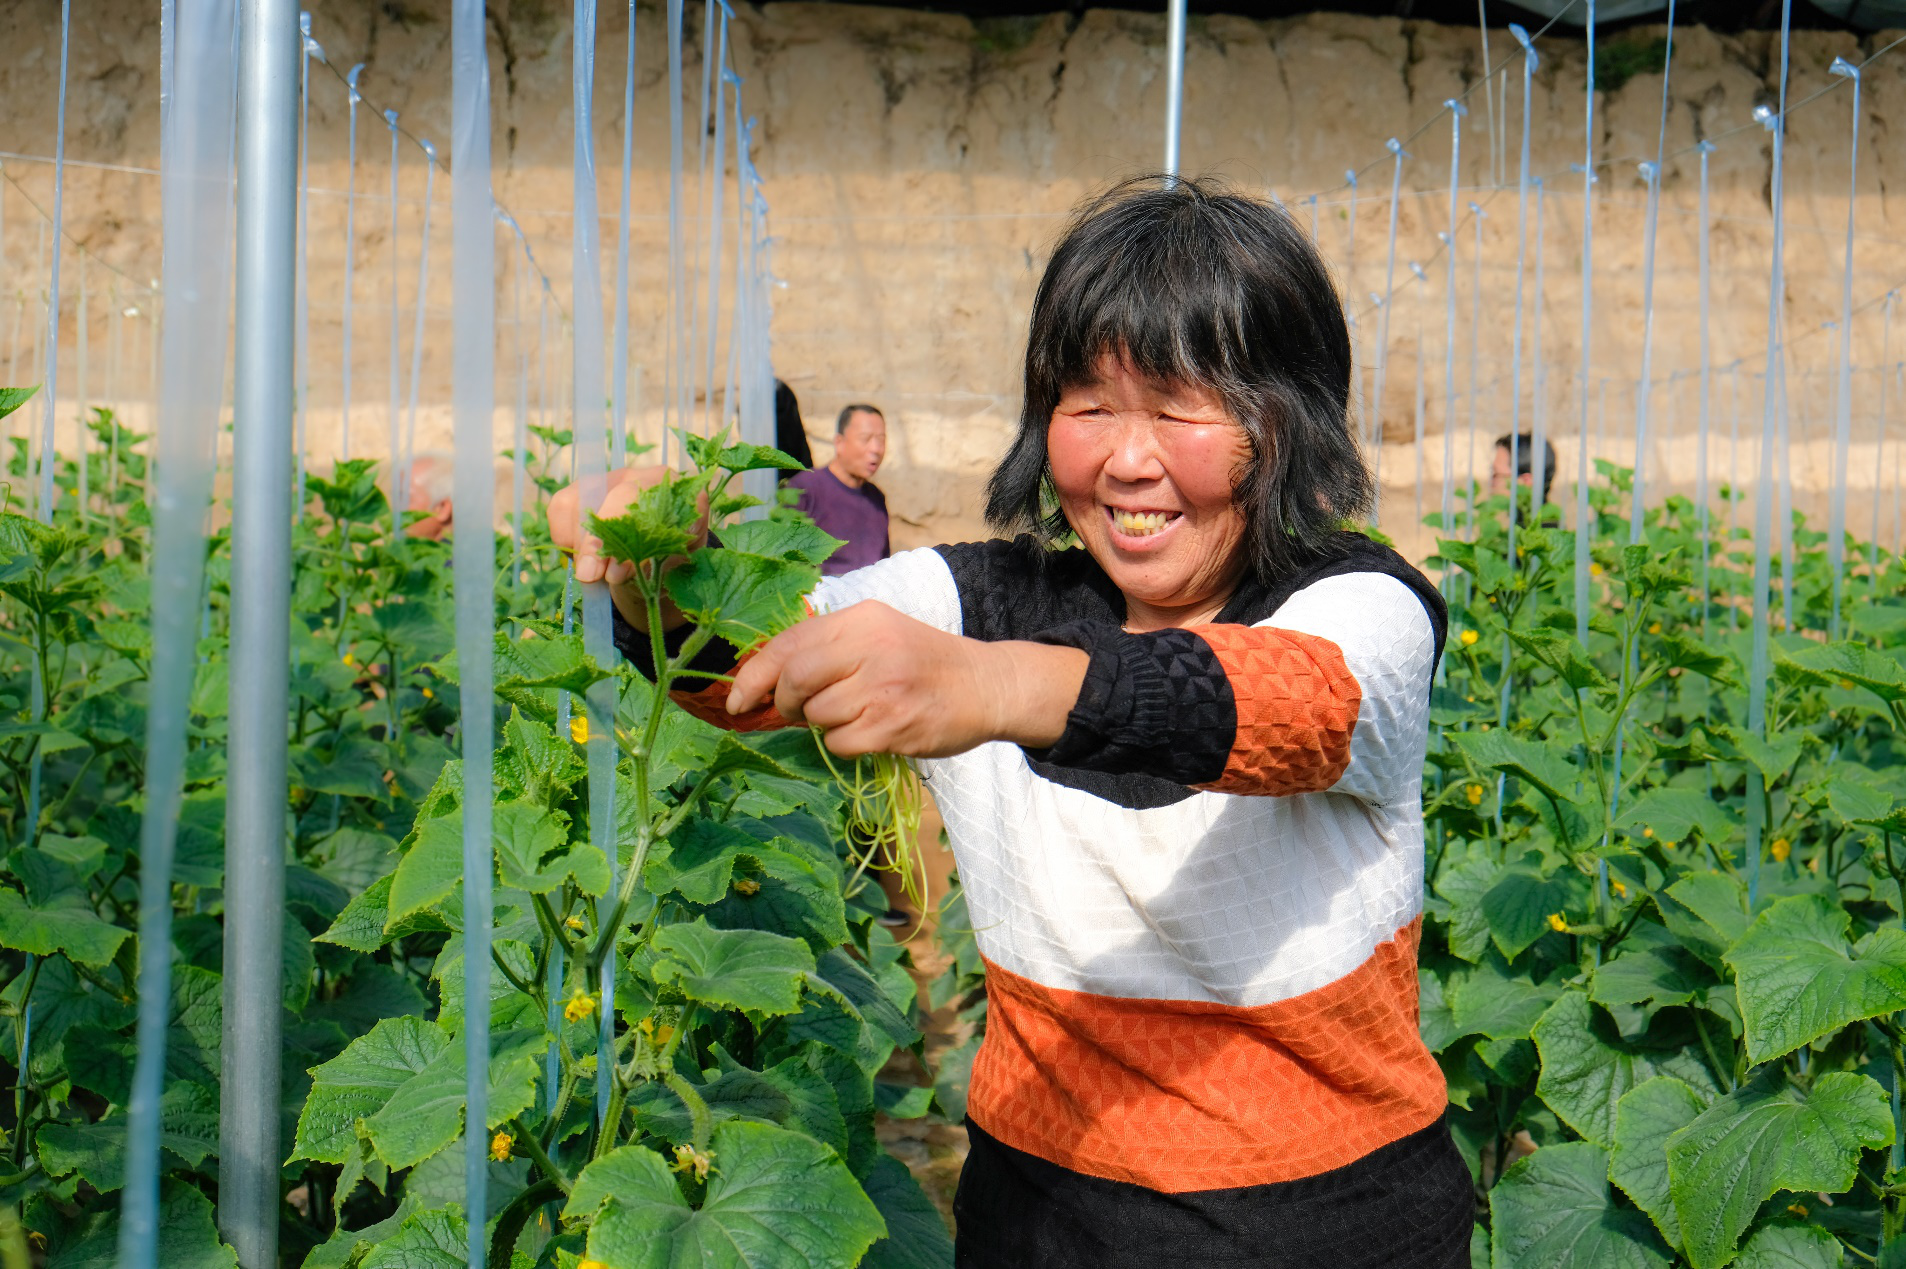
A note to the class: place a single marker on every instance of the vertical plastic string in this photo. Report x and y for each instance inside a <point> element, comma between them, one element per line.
<point>735,328</point>
<point>1515,355</point>
<point>591,455</point>
<point>1456,113</point>
<point>84,390</point>
<point>1417,432</point>
<point>302,353</point>
<point>473,254</point>
<point>1879,445</point>
<point>1398,154</point>
<point>49,460</point>
<point>350,253</point>
<point>196,202</point>
<point>1707,387</point>
<point>1538,398</point>
<point>676,393</point>
<point>718,160</point>
<point>1476,216</point>
<point>1644,385</point>
<point>392,466</point>
<point>1584,533</point>
<point>1843,415</point>
<point>417,326</point>
<point>619,391</point>
<point>1761,668</point>
<point>1783,510</point>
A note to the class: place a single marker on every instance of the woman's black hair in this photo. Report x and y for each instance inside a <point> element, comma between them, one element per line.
<point>1193,283</point>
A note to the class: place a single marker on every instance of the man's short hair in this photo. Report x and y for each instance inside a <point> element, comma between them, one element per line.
<point>1523,447</point>
<point>848,412</point>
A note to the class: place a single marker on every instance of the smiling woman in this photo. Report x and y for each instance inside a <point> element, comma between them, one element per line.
<point>1180,767</point>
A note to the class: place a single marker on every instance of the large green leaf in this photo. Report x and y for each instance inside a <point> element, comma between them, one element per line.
<point>1647,1115</point>
<point>425,1113</point>
<point>533,855</point>
<point>1563,654</point>
<point>67,923</point>
<point>916,1235</point>
<point>1553,1209</point>
<point>1543,763</point>
<point>696,861</point>
<point>436,1239</point>
<point>12,399</point>
<point>1764,1137</point>
<point>782,539</point>
<point>776,1200</point>
<point>1587,1067</point>
<point>1789,1244</point>
<point>431,870</point>
<point>1495,1001</point>
<point>360,1081</point>
<point>1519,906</point>
<point>187,1234</point>
<point>188,1128</point>
<point>1799,977</point>
<point>751,970</point>
<point>739,597</point>
<point>1853,662</point>
<point>661,523</point>
<point>1651,974</point>
<point>1675,813</point>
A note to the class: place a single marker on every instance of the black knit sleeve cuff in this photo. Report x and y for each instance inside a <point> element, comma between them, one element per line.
<point>716,658</point>
<point>1157,704</point>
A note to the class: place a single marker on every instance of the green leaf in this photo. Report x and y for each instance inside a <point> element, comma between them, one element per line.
<point>1799,978</point>
<point>916,1234</point>
<point>1772,758</point>
<point>12,399</point>
<point>1519,905</point>
<point>660,524</point>
<point>782,539</point>
<point>776,1200</point>
<point>186,1233</point>
<point>1765,1137</point>
<point>530,855</point>
<point>1853,662</point>
<point>1563,654</point>
<point>360,1081</point>
<point>1492,1000</point>
<point>1645,1117</point>
<point>437,1239</point>
<point>1463,885</point>
<point>740,458</point>
<point>1691,654</point>
<point>739,597</point>
<point>1544,764</point>
<point>188,1128</point>
<point>1587,1067</point>
<point>425,1113</point>
<point>851,979</point>
<point>1787,1244</point>
<point>65,924</point>
<point>431,870</point>
<point>1707,912</point>
<point>1644,974</point>
<point>1675,813</point>
<point>1553,1208</point>
<point>751,970</point>
<point>696,861</point>
<point>635,1177</point>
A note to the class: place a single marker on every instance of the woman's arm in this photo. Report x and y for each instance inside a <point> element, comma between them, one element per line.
<point>878,681</point>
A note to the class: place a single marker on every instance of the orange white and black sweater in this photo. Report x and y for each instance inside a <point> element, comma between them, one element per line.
<point>1199,912</point>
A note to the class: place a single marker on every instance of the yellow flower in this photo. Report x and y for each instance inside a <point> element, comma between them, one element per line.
<point>655,1035</point>
<point>500,1147</point>
<point>1474,793</point>
<point>429,695</point>
<point>1654,627</point>
<point>1780,849</point>
<point>587,1264</point>
<point>1594,570</point>
<point>747,885</point>
<point>575,923</point>
<point>1469,638</point>
<point>349,659</point>
<point>1647,832</point>
<point>689,1159</point>
<point>1846,685</point>
<point>1558,923</point>
<point>1798,1209</point>
<point>1621,891</point>
<point>579,729</point>
<point>580,1006</point>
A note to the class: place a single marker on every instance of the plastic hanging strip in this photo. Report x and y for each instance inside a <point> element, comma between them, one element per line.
<point>49,460</point>
<point>302,354</point>
<point>1476,216</point>
<point>196,201</point>
<point>1539,472</point>
<point>85,389</point>
<point>1529,61</point>
<point>473,255</point>
<point>1418,430</point>
<point>350,256</point>
<point>1644,385</point>
<point>591,456</point>
<point>392,465</point>
<point>1456,113</point>
<point>1760,669</point>
<point>677,390</point>
<point>417,327</point>
<point>1879,445</point>
<point>1398,153</point>
<point>1701,494</point>
<point>1584,532</point>
<point>1843,396</point>
<point>619,390</point>
<point>717,421</point>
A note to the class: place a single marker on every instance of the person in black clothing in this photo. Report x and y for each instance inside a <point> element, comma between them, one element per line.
<point>790,434</point>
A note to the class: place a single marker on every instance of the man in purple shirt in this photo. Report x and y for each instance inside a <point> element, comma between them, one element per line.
<point>842,497</point>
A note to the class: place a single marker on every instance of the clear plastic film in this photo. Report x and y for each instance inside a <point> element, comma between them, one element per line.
<point>196,199</point>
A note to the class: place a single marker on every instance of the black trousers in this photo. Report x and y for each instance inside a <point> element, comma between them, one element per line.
<point>1408,1205</point>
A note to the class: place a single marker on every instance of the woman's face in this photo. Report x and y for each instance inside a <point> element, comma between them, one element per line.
<point>1144,473</point>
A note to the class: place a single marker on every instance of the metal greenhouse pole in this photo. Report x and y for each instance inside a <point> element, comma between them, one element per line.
<point>1174,82</point>
<point>263,383</point>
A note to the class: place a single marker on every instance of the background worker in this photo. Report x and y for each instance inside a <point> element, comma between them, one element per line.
<point>842,497</point>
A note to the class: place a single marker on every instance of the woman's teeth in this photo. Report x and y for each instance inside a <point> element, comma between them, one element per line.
<point>1139,524</point>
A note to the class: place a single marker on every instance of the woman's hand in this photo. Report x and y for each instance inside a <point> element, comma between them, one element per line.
<point>877,681</point>
<point>625,485</point>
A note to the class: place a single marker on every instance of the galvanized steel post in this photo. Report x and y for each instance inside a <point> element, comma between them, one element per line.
<point>1174,82</point>
<point>263,380</point>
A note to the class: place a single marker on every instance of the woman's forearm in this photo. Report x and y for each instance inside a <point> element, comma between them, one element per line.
<point>1032,688</point>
